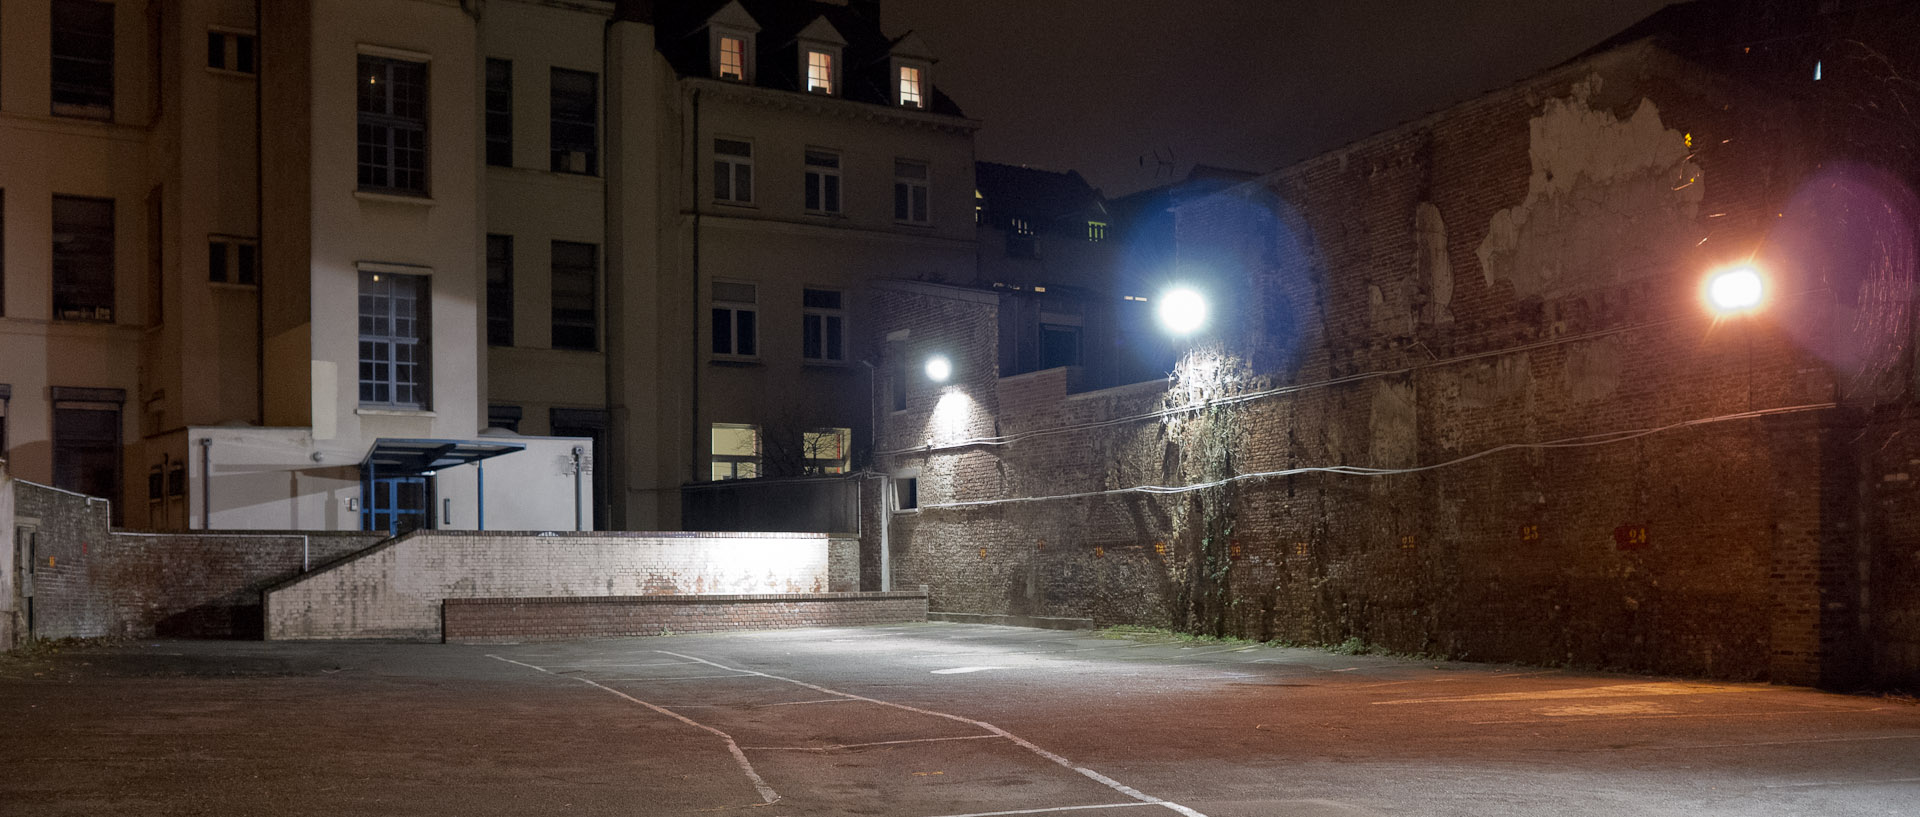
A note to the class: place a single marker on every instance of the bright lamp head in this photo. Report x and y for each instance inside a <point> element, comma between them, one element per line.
<point>1182,311</point>
<point>939,368</point>
<point>1735,289</point>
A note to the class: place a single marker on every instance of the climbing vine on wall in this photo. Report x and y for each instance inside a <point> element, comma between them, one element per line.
<point>1209,439</point>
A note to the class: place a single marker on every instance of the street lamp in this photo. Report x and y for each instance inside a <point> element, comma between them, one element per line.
<point>939,368</point>
<point>1182,311</point>
<point>1734,290</point>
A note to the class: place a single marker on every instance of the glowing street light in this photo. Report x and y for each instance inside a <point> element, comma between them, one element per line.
<point>939,368</point>
<point>1735,289</point>
<point>1182,311</point>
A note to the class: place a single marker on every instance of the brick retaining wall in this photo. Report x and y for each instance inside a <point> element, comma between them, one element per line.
<point>487,621</point>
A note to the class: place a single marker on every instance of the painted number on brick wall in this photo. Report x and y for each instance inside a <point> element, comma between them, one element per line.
<point>1300,549</point>
<point>1409,542</point>
<point>1529,533</point>
<point>1631,537</point>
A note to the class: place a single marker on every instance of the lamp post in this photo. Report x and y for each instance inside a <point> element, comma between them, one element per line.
<point>1182,311</point>
<point>1735,290</point>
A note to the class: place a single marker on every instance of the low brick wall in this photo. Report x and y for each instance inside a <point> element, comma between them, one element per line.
<point>490,621</point>
<point>395,590</point>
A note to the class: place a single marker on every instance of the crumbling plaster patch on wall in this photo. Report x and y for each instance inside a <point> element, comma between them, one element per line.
<point>1603,188</point>
<point>1395,426</point>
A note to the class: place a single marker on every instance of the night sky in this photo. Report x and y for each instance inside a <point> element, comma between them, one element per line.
<point>1094,85</point>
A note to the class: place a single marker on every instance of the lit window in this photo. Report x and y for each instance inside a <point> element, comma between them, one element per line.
<point>1096,231</point>
<point>1020,242</point>
<point>735,320</point>
<point>910,191</point>
<point>826,450</point>
<point>823,181</point>
<point>819,72</point>
<point>393,125</point>
<point>230,51</point>
<point>910,95</point>
<point>733,58</point>
<point>732,171</point>
<point>393,340</point>
<point>736,451</point>
<point>233,261</point>
<point>823,327</point>
<point>82,69</point>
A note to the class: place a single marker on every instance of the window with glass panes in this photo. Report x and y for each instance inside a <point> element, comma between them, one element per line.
<point>910,87</point>
<point>735,319</point>
<point>733,58</point>
<point>823,181</point>
<point>820,72</point>
<point>392,125</point>
<point>910,191</point>
<point>576,121</point>
<point>393,340</point>
<point>733,171</point>
<point>576,296</point>
<point>823,337</point>
<point>82,259</point>
<point>500,113</point>
<point>82,58</point>
<point>499,290</point>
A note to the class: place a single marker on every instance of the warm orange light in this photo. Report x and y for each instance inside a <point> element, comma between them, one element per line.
<point>1736,289</point>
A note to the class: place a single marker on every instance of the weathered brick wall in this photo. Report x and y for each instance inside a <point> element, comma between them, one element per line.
<point>483,621</point>
<point>395,590</point>
<point>1497,306</point>
<point>91,581</point>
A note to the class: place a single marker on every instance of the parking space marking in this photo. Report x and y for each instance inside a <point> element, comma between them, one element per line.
<point>767,794</point>
<point>815,701</point>
<point>683,677</point>
<point>838,746</point>
<point>960,670</point>
<point>1046,810</point>
<point>1016,739</point>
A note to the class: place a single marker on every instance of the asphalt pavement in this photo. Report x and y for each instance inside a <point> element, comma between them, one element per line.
<point>925,720</point>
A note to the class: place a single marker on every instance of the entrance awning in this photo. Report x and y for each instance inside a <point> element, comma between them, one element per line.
<point>392,457</point>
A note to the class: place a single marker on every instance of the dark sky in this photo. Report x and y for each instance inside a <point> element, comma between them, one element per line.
<point>1093,85</point>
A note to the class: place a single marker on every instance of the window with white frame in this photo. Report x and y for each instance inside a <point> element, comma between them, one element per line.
<point>906,493</point>
<point>732,171</point>
<point>233,260</point>
<point>910,191</point>
<point>736,333</point>
<point>826,450</point>
<point>733,58</point>
<point>823,337</point>
<point>393,340</point>
<point>911,94</point>
<point>819,71</point>
<point>736,451</point>
<point>393,125</point>
<point>823,181</point>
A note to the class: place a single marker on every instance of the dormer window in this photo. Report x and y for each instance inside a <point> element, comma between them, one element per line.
<point>819,71</point>
<point>911,93</point>
<point>733,58</point>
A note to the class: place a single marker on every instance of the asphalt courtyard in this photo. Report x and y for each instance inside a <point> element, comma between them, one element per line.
<point>924,720</point>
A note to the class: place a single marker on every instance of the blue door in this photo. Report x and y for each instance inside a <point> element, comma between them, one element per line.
<point>396,504</point>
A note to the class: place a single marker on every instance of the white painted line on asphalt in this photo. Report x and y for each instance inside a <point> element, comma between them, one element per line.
<point>817,701</point>
<point>767,794</point>
<point>1844,783</point>
<point>1046,810</point>
<point>860,745</point>
<point>961,670</point>
<point>1780,742</point>
<point>1696,715</point>
<point>683,677</point>
<point>1022,742</point>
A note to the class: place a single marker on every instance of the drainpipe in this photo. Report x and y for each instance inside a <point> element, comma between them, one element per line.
<point>206,483</point>
<point>886,528</point>
<point>480,495</point>
<point>693,190</point>
<point>577,451</point>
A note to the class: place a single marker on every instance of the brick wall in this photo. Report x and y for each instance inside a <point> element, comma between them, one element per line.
<point>482,621</point>
<point>88,580</point>
<point>1472,302</point>
<point>395,590</point>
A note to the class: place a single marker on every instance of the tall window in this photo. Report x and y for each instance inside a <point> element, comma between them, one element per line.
<point>735,333</point>
<point>500,113</point>
<point>393,340</point>
<point>820,72</point>
<point>826,450</point>
<point>736,451</point>
<point>499,290</point>
<point>576,121</point>
<point>823,181</point>
<point>733,58</point>
<point>156,271</point>
<point>83,59</point>
<point>82,259</point>
<point>393,125</point>
<point>910,95</point>
<point>86,441</point>
<point>823,326</point>
<point>576,296</point>
<point>909,191</point>
<point>733,171</point>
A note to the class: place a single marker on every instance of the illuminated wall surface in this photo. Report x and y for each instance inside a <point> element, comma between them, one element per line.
<point>1463,394</point>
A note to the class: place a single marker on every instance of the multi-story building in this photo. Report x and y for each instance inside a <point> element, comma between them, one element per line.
<point>631,238</point>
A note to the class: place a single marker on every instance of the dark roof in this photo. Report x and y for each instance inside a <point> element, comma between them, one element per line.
<point>1763,39</point>
<point>1040,195</point>
<point>864,62</point>
<point>1201,180</point>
